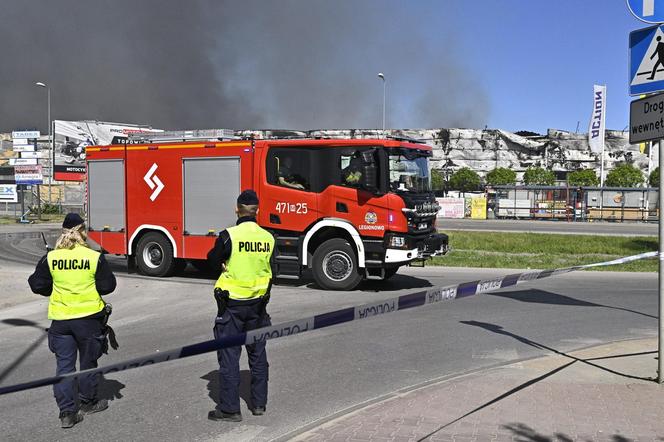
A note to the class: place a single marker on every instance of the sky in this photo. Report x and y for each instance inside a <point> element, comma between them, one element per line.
<point>313,64</point>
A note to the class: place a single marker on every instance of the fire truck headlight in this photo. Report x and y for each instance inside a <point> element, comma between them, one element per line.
<point>397,241</point>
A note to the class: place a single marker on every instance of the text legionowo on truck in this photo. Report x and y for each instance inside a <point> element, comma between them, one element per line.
<point>348,209</point>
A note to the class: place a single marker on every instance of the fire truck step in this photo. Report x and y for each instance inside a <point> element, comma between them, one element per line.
<point>289,276</point>
<point>288,266</point>
<point>287,238</point>
<point>371,273</point>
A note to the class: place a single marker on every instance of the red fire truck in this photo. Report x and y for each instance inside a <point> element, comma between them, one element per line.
<point>348,209</point>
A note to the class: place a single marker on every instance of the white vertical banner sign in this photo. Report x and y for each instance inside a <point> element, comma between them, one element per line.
<point>597,127</point>
<point>597,121</point>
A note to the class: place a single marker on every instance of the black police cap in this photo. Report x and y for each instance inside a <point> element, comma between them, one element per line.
<point>72,220</point>
<point>248,198</point>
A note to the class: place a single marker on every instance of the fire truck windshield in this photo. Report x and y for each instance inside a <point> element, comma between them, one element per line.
<point>409,173</point>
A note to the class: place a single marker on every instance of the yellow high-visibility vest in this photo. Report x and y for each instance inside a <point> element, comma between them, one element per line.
<point>74,292</point>
<point>248,271</point>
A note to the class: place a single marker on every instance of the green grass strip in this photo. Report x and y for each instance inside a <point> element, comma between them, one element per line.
<point>545,251</point>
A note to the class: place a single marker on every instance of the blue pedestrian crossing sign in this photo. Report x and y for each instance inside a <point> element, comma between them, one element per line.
<point>649,11</point>
<point>646,60</point>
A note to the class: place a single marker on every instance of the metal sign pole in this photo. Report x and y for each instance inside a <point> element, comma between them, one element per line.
<point>22,189</point>
<point>660,359</point>
<point>51,152</point>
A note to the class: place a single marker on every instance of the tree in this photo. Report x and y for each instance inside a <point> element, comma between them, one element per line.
<point>501,177</point>
<point>437,180</point>
<point>465,180</point>
<point>624,175</point>
<point>538,175</point>
<point>583,177</point>
<point>653,180</point>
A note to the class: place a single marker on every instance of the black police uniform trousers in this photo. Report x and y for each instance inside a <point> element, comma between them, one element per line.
<point>84,336</point>
<point>239,317</point>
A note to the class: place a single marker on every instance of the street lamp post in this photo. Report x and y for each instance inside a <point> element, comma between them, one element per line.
<point>382,77</point>
<point>50,140</point>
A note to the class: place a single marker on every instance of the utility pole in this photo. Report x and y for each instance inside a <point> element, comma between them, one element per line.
<point>382,77</point>
<point>51,155</point>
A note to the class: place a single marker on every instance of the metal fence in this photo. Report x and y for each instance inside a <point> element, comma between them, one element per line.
<point>574,203</point>
<point>33,199</point>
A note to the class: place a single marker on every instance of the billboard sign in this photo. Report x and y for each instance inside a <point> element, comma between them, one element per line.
<point>73,137</point>
<point>23,148</point>
<point>24,134</point>
<point>28,174</point>
<point>8,193</point>
<point>451,207</point>
<point>30,154</point>
<point>22,161</point>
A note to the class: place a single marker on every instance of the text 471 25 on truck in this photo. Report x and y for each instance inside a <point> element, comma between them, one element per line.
<point>348,209</point>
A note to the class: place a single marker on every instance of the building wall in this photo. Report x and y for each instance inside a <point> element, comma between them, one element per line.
<point>484,150</point>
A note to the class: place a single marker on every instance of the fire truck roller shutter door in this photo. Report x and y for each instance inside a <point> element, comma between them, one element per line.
<point>106,209</point>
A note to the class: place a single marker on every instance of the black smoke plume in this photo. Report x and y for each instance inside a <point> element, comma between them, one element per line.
<point>179,64</point>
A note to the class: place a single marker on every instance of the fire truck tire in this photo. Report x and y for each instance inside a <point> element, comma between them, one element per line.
<point>334,265</point>
<point>154,255</point>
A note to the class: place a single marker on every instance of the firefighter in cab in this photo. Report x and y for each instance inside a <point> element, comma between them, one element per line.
<point>243,253</point>
<point>74,277</point>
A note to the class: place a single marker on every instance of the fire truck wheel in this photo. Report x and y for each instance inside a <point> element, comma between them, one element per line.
<point>154,255</point>
<point>334,265</point>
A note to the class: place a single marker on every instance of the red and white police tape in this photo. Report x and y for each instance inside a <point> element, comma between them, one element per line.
<point>323,320</point>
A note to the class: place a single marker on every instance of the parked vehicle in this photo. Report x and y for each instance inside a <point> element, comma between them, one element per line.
<point>349,209</point>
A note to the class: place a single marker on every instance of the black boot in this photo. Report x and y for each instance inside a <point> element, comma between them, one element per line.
<point>258,411</point>
<point>217,415</point>
<point>95,406</point>
<point>70,418</point>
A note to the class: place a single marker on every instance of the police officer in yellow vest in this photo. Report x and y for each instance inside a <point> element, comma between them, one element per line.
<point>74,277</point>
<point>243,252</point>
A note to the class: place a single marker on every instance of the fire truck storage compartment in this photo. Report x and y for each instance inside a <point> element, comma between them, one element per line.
<point>106,210</point>
<point>211,187</point>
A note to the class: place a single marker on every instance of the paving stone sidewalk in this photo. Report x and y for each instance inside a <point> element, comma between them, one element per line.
<point>612,396</point>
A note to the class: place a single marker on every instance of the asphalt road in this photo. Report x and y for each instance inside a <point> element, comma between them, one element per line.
<point>314,375</point>
<point>562,227</point>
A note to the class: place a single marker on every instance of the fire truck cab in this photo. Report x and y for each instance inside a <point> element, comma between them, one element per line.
<point>348,209</point>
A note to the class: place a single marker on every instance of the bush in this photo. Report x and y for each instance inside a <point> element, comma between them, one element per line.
<point>501,177</point>
<point>540,176</point>
<point>624,175</point>
<point>437,180</point>
<point>653,180</point>
<point>46,209</point>
<point>583,177</point>
<point>465,180</point>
